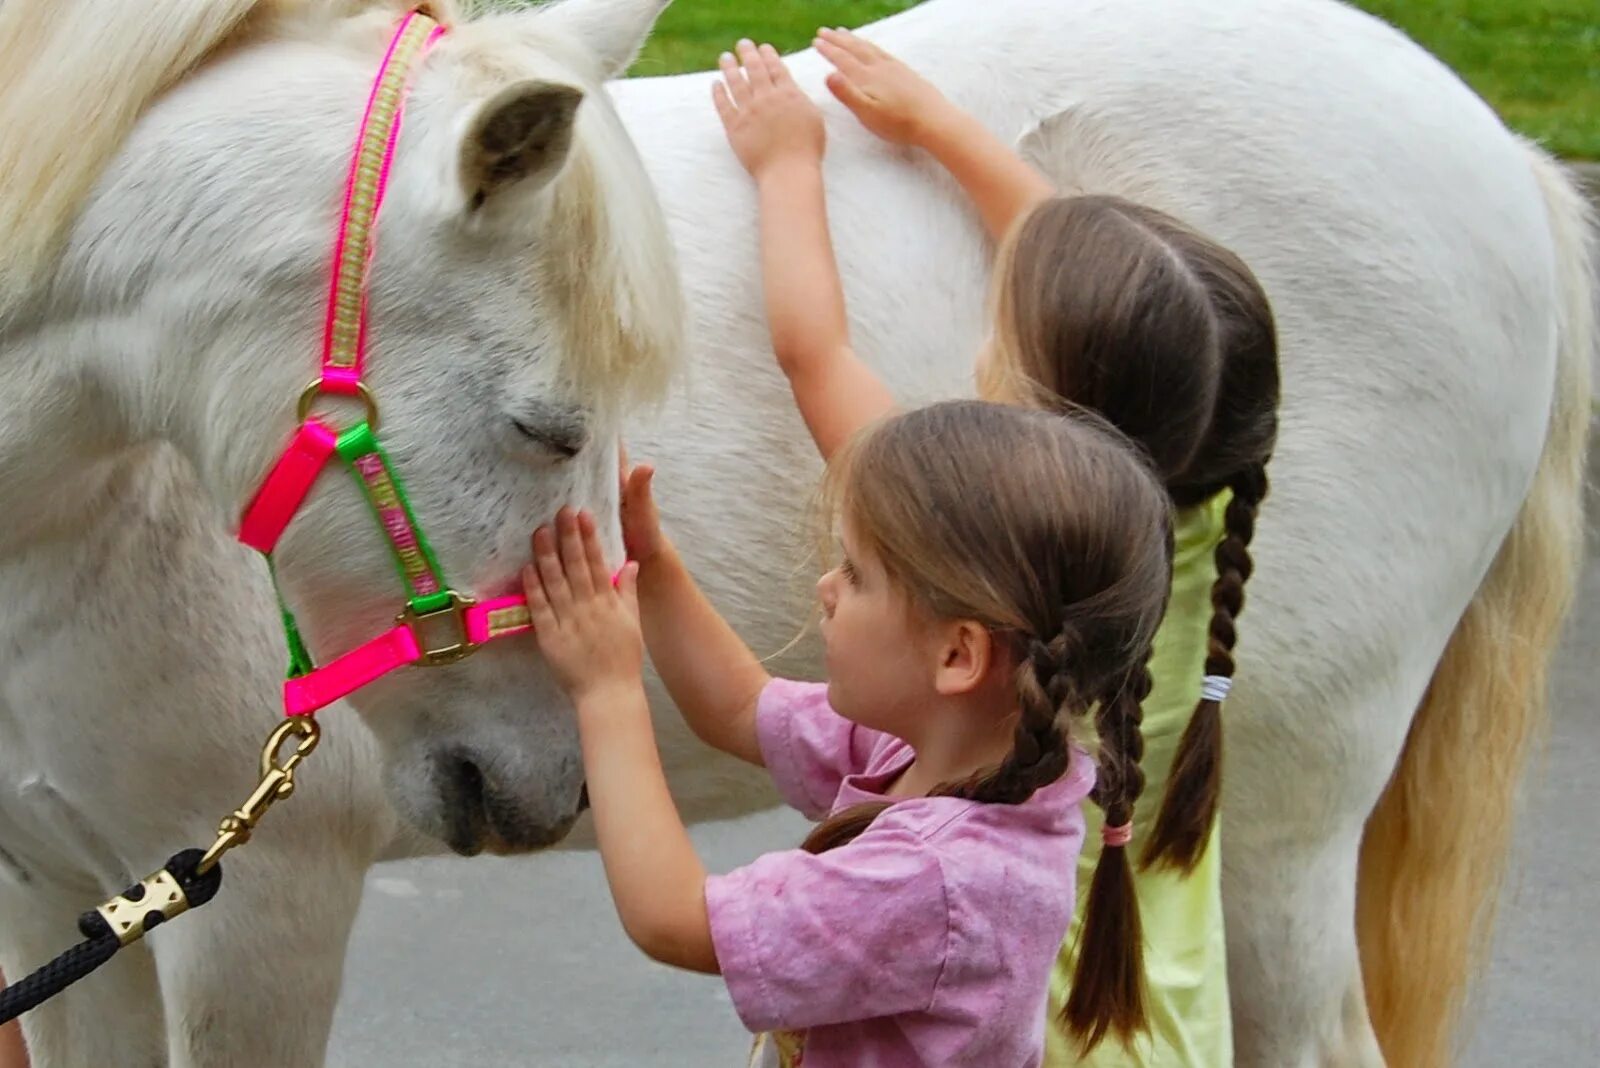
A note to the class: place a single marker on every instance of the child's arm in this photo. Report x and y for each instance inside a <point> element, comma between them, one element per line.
<point>778,135</point>
<point>897,104</point>
<point>590,636</point>
<point>712,675</point>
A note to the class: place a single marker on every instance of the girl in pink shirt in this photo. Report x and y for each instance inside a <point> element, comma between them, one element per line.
<point>1003,571</point>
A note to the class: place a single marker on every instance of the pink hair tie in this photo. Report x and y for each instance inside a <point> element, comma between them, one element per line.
<point>1118,836</point>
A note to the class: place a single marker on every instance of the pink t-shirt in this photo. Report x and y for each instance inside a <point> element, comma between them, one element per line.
<point>926,941</point>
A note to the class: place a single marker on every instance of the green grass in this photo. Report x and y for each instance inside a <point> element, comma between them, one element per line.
<point>1536,61</point>
<point>692,32</point>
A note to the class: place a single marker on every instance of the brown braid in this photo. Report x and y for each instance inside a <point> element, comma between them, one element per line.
<point>1194,788</point>
<point>1108,991</point>
<point>1175,344</point>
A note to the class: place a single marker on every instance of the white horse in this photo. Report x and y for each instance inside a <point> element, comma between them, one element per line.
<point>166,223</point>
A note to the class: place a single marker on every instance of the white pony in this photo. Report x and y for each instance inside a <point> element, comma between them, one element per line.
<point>169,175</point>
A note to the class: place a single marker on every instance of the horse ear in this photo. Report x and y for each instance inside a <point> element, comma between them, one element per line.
<point>613,30</point>
<point>519,137</point>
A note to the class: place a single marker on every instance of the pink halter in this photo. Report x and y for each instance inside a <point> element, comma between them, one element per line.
<point>430,601</point>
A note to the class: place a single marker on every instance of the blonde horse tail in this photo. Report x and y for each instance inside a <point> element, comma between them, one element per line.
<point>1435,850</point>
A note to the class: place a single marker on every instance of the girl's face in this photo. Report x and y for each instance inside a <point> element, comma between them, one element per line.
<point>881,659</point>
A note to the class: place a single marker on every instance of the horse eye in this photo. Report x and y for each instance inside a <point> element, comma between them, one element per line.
<point>565,442</point>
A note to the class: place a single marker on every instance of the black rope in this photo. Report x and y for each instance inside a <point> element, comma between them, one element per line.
<point>100,943</point>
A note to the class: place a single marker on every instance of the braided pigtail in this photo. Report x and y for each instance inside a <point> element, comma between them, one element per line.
<point>1194,789</point>
<point>1108,995</point>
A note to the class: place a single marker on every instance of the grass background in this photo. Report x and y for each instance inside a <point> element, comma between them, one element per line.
<point>1536,61</point>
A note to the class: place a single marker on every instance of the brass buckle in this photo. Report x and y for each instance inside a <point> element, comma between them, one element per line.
<point>457,650</point>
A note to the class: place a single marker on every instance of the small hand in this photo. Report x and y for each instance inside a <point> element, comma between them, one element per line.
<point>769,121</point>
<point>641,520</point>
<point>587,630</point>
<point>890,99</point>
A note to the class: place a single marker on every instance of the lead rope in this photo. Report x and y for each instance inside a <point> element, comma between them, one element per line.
<point>176,888</point>
<point>188,880</point>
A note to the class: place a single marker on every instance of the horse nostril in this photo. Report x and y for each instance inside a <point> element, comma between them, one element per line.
<point>583,798</point>
<point>469,780</point>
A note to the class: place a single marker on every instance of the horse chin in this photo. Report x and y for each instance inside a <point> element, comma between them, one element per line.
<point>472,815</point>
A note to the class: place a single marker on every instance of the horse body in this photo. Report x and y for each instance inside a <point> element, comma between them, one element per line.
<point>1425,270</point>
<point>1371,193</point>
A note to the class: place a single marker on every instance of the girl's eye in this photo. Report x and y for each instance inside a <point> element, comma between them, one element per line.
<point>848,570</point>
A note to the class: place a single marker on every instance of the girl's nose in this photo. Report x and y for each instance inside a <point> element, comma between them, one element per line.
<point>826,586</point>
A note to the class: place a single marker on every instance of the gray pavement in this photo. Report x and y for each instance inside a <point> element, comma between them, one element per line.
<point>499,962</point>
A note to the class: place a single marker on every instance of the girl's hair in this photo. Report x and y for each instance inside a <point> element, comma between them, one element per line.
<point>1049,530</point>
<point>1107,304</point>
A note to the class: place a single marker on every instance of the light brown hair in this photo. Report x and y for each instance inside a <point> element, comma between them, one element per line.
<point>1052,532</point>
<point>1114,306</point>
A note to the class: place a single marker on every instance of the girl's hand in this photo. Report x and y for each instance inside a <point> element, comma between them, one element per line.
<point>641,521</point>
<point>890,99</point>
<point>769,121</point>
<point>588,631</point>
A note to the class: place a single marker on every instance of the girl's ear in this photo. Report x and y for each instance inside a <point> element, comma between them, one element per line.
<point>966,652</point>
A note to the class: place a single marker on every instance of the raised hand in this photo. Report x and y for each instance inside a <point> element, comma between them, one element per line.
<point>890,99</point>
<point>769,121</point>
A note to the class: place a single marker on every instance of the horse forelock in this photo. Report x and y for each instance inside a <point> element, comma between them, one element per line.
<point>607,262</point>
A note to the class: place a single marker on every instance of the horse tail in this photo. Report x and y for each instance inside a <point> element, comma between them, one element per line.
<point>1435,849</point>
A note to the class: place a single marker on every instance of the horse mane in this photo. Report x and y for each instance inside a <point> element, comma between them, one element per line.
<point>74,77</point>
<point>609,262</point>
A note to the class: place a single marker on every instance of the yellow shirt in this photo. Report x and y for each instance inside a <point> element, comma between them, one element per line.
<point>1184,950</point>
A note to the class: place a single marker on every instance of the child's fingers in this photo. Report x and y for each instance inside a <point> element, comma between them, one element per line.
<point>538,604</point>
<point>777,73</point>
<point>726,111</point>
<point>628,587</point>
<point>548,562</point>
<point>641,486</point>
<point>738,84</point>
<point>867,50</point>
<point>755,68</point>
<point>842,61</point>
<point>574,562</point>
<point>847,92</point>
<point>859,47</point>
<point>594,556</point>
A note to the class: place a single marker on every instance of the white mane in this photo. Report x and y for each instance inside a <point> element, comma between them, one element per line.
<point>107,60</point>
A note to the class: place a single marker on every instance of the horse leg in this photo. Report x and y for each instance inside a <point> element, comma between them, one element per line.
<point>252,978</point>
<point>1294,971</point>
<point>1297,794</point>
<point>112,1018</point>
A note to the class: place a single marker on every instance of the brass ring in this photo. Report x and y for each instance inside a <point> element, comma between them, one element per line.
<point>309,396</point>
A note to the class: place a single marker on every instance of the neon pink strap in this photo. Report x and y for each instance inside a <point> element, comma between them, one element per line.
<point>345,331</point>
<point>286,486</point>
<point>353,670</point>
<point>502,617</point>
<point>499,618</point>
